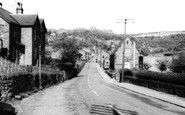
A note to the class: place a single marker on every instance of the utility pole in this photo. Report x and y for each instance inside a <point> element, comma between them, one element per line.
<point>123,59</point>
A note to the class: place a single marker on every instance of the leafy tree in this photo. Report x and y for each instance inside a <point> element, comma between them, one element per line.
<point>178,64</point>
<point>70,48</point>
<point>162,64</point>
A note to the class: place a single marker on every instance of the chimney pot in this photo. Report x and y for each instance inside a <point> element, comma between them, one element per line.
<point>19,9</point>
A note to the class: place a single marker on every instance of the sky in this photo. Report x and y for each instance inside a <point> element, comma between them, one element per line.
<point>148,15</point>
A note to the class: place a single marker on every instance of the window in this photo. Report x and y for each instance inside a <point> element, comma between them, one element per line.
<point>127,42</point>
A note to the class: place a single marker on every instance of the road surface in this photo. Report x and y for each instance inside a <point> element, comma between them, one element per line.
<point>88,94</point>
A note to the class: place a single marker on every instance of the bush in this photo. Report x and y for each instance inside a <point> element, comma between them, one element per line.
<point>159,86</point>
<point>162,64</point>
<point>127,72</point>
<point>178,65</point>
<point>174,78</point>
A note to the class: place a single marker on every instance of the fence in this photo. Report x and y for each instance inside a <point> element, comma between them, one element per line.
<point>7,67</point>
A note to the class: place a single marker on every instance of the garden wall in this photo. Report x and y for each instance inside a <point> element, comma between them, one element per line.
<point>22,82</point>
<point>26,83</point>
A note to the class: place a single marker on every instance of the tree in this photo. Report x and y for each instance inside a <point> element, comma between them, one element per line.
<point>178,64</point>
<point>70,48</point>
<point>162,64</point>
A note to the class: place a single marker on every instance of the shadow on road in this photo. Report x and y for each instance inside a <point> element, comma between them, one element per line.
<point>6,109</point>
<point>105,110</point>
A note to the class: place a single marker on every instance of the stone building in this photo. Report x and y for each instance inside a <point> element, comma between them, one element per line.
<point>131,55</point>
<point>10,35</point>
<point>24,36</point>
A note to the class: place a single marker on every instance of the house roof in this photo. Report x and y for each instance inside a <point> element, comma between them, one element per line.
<point>25,20</point>
<point>43,26</point>
<point>120,43</point>
<point>6,15</point>
<point>41,21</point>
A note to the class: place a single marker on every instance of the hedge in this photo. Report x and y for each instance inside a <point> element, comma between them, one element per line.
<point>172,83</point>
<point>173,78</point>
<point>159,86</point>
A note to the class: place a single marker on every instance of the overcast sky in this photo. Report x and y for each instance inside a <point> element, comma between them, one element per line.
<point>148,15</point>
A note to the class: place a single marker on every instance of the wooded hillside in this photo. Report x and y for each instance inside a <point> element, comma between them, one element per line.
<point>149,43</point>
<point>160,44</point>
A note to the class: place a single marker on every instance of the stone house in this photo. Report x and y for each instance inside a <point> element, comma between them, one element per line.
<point>29,36</point>
<point>10,35</point>
<point>131,55</point>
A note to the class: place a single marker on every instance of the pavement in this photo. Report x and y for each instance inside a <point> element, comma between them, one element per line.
<point>172,99</point>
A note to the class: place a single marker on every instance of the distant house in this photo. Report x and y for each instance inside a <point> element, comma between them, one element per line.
<point>85,54</point>
<point>105,60</point>
<point>131,55</point>
<point>23,34</point>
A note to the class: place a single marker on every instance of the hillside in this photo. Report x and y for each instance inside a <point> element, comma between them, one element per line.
<point>89,37</point>
<point>161,43</point>
<point>162,33</point>
<point>148,43</point>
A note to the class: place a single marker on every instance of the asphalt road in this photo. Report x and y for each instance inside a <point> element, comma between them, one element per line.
<point>88,94</point>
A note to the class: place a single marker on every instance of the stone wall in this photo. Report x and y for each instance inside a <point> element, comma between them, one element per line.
<point>17,86</point>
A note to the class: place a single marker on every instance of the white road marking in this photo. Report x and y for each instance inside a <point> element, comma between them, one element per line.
<point>88,81</point>
<point>90,85</point>
<point>95,92</point>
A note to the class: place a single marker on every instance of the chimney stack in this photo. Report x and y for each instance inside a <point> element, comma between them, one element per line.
<point>19,9</point>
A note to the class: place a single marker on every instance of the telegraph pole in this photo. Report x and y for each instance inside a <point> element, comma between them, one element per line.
<point>123,59</point>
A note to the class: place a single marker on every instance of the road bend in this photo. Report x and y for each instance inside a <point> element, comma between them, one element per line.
<point>89,94</point>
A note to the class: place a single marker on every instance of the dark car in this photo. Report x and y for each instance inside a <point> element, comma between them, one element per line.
<point>6,109</point>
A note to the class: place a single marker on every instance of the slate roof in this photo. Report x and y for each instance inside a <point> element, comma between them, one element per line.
<point>25,20</point>
<point>21,19</point>
<point>6,15</point>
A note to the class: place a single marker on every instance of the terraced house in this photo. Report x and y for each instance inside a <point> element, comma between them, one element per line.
<point>23,35</point>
